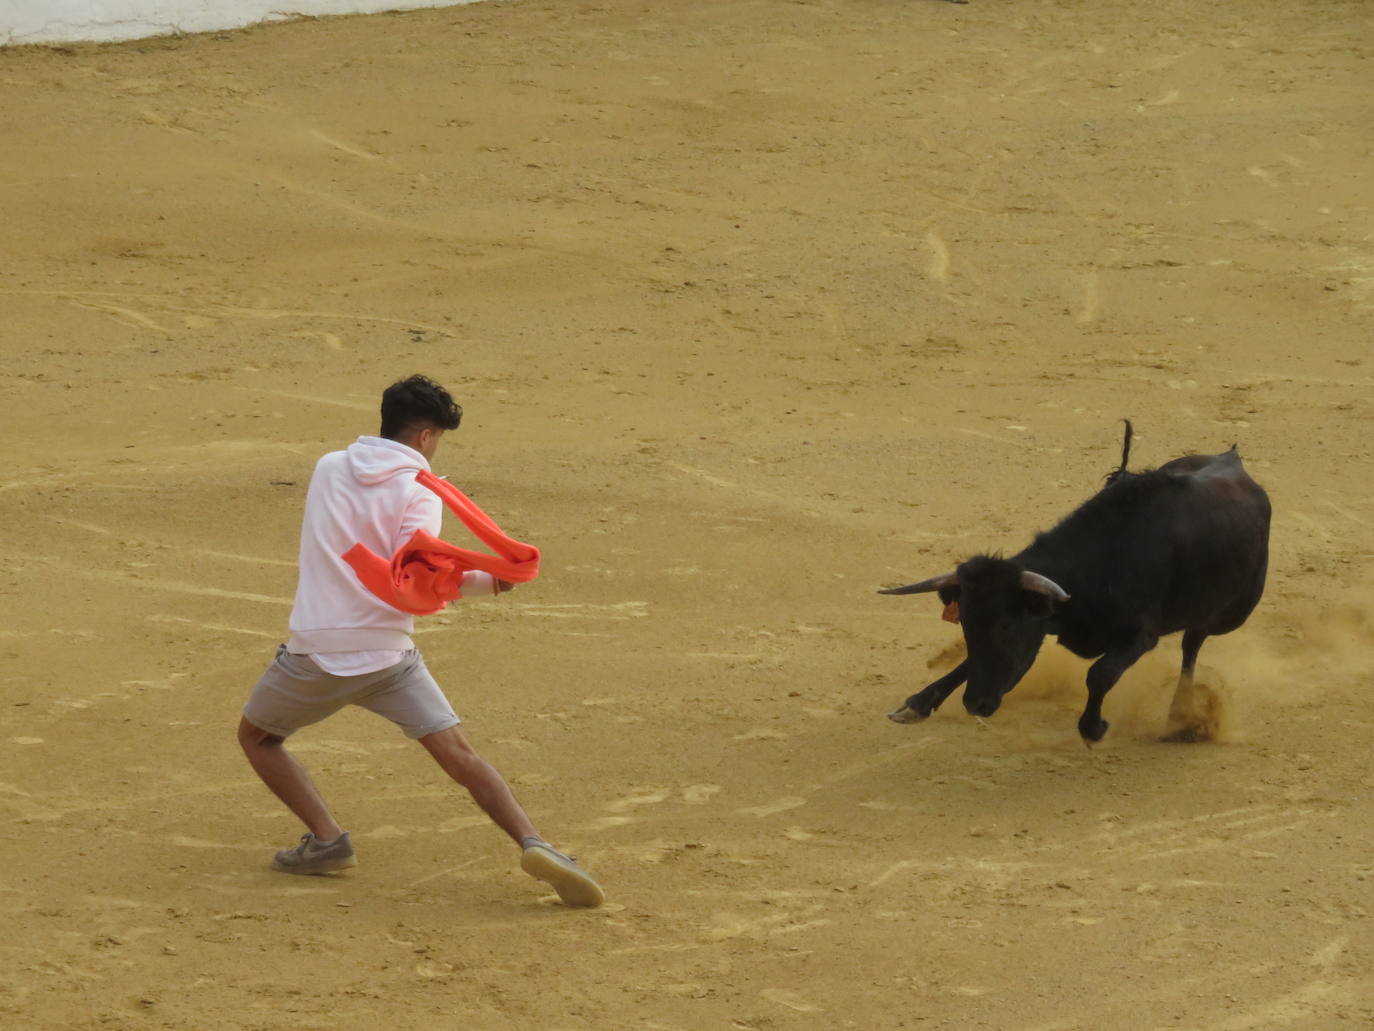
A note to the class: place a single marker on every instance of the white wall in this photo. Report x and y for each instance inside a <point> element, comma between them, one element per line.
<point>51,21</point>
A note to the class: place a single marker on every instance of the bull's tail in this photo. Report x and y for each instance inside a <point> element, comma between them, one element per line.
<point>1120,471</point>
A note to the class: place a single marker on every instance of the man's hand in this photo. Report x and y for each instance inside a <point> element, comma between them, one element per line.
<point>502,586</point>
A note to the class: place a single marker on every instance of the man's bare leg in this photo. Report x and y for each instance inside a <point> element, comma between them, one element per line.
<point>489,790</point>
<point>455,755</point>
<point>287,779</point>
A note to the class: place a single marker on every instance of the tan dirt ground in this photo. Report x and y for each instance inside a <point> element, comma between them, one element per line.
<point>753,307</point>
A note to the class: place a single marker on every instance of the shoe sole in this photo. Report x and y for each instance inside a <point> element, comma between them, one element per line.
<point>573,884</point>
<point>318,867</point>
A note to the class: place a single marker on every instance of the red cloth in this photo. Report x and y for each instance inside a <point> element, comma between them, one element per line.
<point>426,573</point>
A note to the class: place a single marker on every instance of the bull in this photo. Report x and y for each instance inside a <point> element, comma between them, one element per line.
<point>1184,547</point>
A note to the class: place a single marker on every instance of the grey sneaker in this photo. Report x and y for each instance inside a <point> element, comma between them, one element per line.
<point>311,857</point>
<point>573,884</point>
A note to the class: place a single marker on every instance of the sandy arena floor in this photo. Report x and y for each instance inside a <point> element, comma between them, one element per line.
<point>753,307</point>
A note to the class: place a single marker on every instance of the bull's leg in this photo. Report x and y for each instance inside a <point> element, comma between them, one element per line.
<point>924,702</point>
<point>1184,720</point>
<point>1102,677</point>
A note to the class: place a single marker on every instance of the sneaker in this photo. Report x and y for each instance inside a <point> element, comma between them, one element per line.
<point>573,884</point>
<point>311,857</point>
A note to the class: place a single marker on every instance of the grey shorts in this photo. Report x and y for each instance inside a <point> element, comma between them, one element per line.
<point>294,693</point>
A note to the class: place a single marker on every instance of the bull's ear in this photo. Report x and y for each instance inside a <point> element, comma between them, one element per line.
<point>950,596</point>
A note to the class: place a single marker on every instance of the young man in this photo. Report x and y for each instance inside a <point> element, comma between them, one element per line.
<point>348,647</point>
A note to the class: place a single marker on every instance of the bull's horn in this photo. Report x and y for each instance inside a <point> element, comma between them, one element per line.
<point>1042,585</point>
<point>925,586</point>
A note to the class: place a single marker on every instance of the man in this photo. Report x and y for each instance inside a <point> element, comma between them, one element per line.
<point>348,647</point>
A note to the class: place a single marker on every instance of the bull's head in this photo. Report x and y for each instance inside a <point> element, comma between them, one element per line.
<point>1004,610</point>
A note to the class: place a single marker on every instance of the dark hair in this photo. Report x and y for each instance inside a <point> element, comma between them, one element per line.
<point>417,402</point>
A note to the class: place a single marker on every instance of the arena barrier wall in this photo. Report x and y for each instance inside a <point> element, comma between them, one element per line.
<point>72,21</point>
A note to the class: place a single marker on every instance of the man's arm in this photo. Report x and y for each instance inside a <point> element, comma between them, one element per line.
<point>477,584</point>
<point>426,512</point>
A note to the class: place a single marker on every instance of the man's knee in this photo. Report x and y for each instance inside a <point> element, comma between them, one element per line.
<point>251,736</point>
<point>452,751</point>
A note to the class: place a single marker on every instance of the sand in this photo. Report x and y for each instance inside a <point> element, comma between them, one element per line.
<point>753,308</point>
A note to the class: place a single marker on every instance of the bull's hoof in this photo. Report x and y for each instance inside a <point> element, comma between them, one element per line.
<point>1187,735</point>
<point>906,714</point>
<point>1093,733</point>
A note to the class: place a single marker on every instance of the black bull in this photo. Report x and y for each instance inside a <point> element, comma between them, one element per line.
<point>1182,547</point>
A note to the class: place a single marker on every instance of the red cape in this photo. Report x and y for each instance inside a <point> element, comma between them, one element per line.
<point>426,573</point>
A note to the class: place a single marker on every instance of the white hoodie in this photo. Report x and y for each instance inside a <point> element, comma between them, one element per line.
<point>367,495</point>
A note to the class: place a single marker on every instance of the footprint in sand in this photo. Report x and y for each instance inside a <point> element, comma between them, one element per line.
<point>328,340</point>
<point>791,1000</point>
<point>760,734</point>
<point>818,837</point>
<point>622,805</point>
<point>458,823</point>
<point>185,841</point>
<point>781,805</point>
<point>635,801</point>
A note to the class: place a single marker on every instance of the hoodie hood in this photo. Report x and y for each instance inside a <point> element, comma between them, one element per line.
<point>375,459</point>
